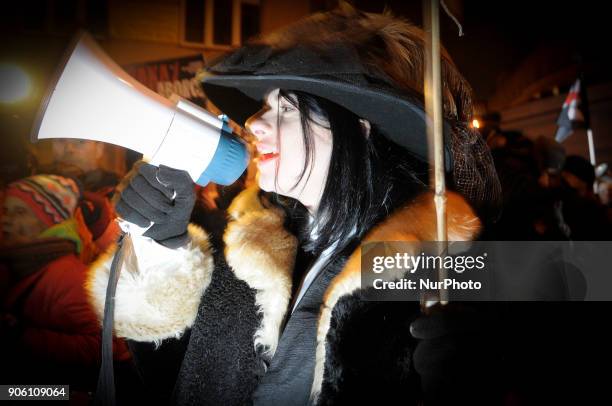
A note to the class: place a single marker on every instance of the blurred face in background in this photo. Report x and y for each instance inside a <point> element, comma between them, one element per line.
<point>579,185</point>
<point>604,191</point>
<point>19,223</point>
<point>82,154</point>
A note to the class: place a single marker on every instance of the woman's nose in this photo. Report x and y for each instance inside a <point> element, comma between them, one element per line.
<point>257,126</point>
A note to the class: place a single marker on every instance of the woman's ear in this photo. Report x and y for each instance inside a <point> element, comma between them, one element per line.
<point>365,127</point>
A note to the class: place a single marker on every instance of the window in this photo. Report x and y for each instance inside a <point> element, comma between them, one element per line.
<point>222,23</point>
<point>219,23</point>
<point>34,15</point>
<point>249,21</point>
<point>194,17</point>
<point>64,17</point>
<point>97,16</point>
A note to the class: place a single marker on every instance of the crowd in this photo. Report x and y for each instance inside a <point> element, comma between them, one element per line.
<point>55,224</point>
<point>548,195</point>
<point>59,219</point>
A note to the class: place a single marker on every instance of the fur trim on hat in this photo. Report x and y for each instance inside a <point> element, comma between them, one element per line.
<point>375,37</point>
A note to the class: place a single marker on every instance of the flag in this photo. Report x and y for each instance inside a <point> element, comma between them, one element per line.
<point>574,113</point>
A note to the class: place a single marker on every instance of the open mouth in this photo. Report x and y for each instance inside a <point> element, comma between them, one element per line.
<point>268,156</point>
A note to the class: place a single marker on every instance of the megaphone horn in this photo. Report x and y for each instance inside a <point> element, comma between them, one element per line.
<point>92,98</point>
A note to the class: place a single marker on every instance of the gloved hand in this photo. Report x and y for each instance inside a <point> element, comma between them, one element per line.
<point>457,355</point>
<point>162,195</point>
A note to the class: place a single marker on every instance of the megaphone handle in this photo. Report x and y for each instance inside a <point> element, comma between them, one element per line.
<point>131,228</point>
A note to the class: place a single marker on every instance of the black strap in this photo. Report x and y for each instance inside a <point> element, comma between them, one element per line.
<point>105,391</point>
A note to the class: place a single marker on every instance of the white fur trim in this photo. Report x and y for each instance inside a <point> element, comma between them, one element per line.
<point>348,285</point>
<point>159,289</point>
<point>262,254</point>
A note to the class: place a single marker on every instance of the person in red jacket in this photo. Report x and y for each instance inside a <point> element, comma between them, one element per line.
<point>48,332</point>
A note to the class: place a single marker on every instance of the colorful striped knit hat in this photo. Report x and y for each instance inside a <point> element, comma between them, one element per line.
<point>52,198</point>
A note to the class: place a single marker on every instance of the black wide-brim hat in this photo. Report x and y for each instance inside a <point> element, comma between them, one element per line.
<point>372,65</point>
<point>238,84</point>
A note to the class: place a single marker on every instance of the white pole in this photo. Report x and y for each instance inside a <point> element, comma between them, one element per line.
<point>592,155</point>
<point>433,107</point>
<point>591,147</point>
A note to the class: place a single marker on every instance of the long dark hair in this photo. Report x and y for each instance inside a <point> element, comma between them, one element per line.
<point>369,176</point>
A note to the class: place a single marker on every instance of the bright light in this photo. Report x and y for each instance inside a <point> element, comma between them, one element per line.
<point>475,123</point>
<point>15,85</point>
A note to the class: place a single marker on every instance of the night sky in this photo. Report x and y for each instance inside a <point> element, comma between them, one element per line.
<point>500,34</point>
<point>501,38</point>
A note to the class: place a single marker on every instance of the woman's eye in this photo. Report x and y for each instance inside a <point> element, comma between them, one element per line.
<point>286,109</point>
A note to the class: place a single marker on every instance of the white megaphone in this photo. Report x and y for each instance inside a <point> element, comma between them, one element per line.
<point>92,98</point>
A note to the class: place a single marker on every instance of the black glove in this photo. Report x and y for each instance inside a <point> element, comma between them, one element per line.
<point>457,355</point>
<point>150,196</point>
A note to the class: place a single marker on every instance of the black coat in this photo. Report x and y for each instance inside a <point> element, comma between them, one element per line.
<point>243,346</point>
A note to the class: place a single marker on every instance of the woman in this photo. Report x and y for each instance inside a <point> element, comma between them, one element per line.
<point>48,329</point>
<point>275,316</point>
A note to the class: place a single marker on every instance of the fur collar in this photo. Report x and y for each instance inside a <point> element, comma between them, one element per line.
<point>262,253</point>
<point>413,222</point>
